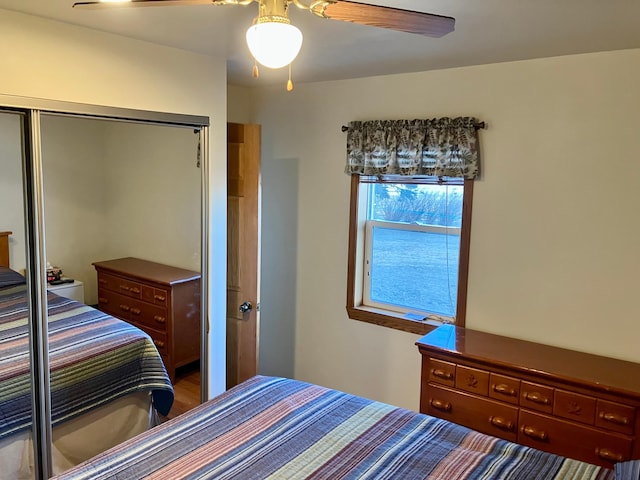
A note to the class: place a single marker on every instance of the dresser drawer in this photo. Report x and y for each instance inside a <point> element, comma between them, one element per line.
<point>615,416</point>
<point>120,285</point>
<point>153,295</point>
<point>575,407</point>
<point>148,315</point>
<point>159,338</point>
<point>572,440</point>
<point>114,304</point>
<point>441,372</point>
<point>536,397</point>
<point>472,380</point>
<point>506,389</point>
<point>480,414</point>
<point>133,310</point>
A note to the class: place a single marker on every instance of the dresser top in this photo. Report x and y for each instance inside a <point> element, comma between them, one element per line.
<point>146,270</point>
<point>540,360</point>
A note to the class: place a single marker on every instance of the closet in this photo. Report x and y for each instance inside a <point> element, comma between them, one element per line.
<point>81,184</point>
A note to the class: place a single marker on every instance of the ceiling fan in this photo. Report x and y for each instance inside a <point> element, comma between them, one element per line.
<point>275,43</point>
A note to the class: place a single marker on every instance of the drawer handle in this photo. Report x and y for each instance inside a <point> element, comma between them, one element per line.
<point>609,455</point>
<point>440,405</point>
<point>502,423</point>
<point>102,281</point>
<point>534,433</point>
<point>159,319</point>
<point>134,290</point>
<point>125,308</point>
<point>159,343</point>
<point>160,298</point>
<point>102,300</point>
<point>436,372</point>
<point>614,418</point>
<point>136,311</point>
<point>536,397</point>
<point>504,389</point>
<point>125,288</point>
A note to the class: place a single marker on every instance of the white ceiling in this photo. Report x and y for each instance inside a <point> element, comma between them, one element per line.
<point>487,31</point>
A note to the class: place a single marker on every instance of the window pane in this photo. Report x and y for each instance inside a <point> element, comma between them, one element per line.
<point>423,204</point>
<point>414,264</point>
<point>416,270</point>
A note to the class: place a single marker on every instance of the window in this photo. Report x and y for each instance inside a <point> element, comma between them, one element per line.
<point>408,251</point>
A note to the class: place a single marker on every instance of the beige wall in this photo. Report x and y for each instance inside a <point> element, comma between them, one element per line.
<point>553,245</point>
<point>51,60</point>
<point>239,101</point>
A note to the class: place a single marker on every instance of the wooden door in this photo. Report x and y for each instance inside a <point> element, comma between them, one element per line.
<point>243,240</point>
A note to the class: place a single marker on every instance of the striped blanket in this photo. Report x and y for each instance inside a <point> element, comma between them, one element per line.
<point>94,358</point>
<point>274,428</point>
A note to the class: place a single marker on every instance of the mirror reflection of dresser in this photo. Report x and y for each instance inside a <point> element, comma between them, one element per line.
<point>161,300</point>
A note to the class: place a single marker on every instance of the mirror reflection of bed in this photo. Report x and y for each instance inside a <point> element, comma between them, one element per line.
<point>111,189</point>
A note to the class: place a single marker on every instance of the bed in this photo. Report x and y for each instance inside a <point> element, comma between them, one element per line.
<point>107,378</point>
<point>276,428</point>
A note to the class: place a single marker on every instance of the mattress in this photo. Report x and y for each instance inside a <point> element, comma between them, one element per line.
<point>276,428</point>
<point>80,438</point>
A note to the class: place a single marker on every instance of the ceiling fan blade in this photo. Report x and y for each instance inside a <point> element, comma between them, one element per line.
<point>140,3</point>
<point>394,18</point>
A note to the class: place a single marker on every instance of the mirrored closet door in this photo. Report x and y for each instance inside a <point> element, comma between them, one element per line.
<point>16,447</point>
<point>119,211</point>
<point>122,222</point>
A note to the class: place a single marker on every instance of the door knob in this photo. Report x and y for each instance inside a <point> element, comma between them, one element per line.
<point>246,307</point>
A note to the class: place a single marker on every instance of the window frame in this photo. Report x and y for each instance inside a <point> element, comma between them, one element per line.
<point>356,310</point>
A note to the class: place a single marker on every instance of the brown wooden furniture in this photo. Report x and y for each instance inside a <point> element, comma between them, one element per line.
<point>163,301</point>
<point>4,249</point>
<point>574,404</point>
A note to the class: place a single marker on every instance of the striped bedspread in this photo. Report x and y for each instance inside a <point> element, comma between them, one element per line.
<point>93,358</point>
<point>274,428</point>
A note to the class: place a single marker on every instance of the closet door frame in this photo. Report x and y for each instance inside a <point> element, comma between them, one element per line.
<point>31,110</point>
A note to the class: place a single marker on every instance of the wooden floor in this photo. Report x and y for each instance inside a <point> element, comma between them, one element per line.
<point>186,390</point>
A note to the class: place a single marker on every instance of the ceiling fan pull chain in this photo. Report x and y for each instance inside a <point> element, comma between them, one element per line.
<point>289,83</point>
<point>256,72</point>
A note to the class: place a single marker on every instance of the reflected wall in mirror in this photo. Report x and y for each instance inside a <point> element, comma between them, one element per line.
<point>11,187</point>
<point>119,189</point>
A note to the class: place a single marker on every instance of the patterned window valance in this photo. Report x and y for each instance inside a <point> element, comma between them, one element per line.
<point>443,147</point>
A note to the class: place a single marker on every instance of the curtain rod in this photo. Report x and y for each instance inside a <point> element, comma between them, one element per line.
<point>477,126</point>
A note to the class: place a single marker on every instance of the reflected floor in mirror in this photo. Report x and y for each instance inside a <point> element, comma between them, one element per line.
<point>186,390</point>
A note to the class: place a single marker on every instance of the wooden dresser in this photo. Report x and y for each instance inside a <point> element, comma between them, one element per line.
<point>574,404</point>
<point>163,301</point>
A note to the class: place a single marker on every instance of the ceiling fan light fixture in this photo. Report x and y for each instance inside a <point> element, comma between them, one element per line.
<point>274,44</point>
